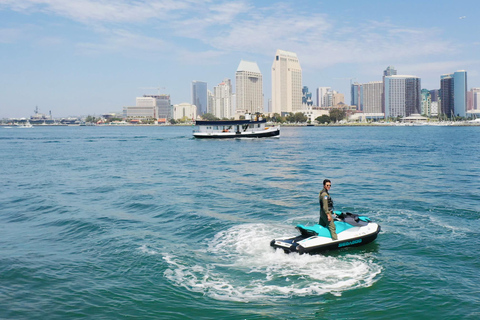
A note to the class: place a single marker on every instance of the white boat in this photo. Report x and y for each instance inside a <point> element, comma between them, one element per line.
<point>234,129</point>
<point>26,124</point>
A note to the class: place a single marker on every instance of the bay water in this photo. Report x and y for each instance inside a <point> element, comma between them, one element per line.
<point>149,223</point>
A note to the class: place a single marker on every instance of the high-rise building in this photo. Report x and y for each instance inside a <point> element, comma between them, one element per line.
<point>249,87</point>
<point>475,98</point>
<point>306,97</point>
<point>402,95</point>
<point>453,89</point>
<point>371,95</point>
<point>210,102</point>
<point>286,83</point>
<point>390,71</point>
<point>165,108</point>
<point>223,99</point>
<point>434,95</point>
<point>321,92</point>
<point>356,98</point>
<point>426,106</point>
<point>199,96</point>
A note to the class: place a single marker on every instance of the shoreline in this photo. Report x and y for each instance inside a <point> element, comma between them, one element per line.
<point>293,125</point>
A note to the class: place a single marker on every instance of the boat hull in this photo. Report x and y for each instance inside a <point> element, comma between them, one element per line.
<point>354,237</point>
<point>230,135</point>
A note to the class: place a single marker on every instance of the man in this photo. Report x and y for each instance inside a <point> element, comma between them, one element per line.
<point>326,209</point>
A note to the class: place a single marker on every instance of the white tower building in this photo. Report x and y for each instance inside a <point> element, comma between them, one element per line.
<point>223,99</point>
<point>249,87</point>
<point>286,83</point>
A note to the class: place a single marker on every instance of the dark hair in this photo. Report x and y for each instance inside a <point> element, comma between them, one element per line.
<point>325,181</point>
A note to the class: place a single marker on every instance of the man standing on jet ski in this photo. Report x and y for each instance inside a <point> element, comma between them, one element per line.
<point>326,209</point>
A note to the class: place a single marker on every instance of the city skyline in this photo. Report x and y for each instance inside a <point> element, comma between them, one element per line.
<point>87,57</point>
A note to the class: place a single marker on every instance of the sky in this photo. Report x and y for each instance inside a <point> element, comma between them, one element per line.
<point>90,57</point>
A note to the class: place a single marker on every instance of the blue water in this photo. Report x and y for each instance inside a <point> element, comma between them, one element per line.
<point>149,223</point>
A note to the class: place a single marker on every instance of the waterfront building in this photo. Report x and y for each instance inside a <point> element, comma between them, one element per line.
<point>164,106</point>
<point>390,71</point>
<point>434,108</point>
<point>321,93</point>
<point>223,100</point>
<point>184,111</point>
<point>426,106</point>
<point>248,88</point>
<point>199,96</point>
<point>453,89</point>
<point>356,98</point>
<point>210,102</point>
<point>134,112</point>
<point>435,95</point>
<point>150,106</point>
<point>286,83</point>
<point>402,95</point>
<point>475,98</point>
<point>371,95</point>
<point>233,110</point>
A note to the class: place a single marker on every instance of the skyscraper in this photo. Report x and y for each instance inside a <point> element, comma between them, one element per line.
<point>249,87</point>
<point>426,107</point>
<point>306,97</point>
<point>286,83</point>
<point>356,98</point>
<point>475,98</point>
<point>223,99</point>
<point>453,89</point>
<point>402,95</point>
<point>372,93</point>
<point>199,96</point>
<point>321,92</point>
<point>390,71</point>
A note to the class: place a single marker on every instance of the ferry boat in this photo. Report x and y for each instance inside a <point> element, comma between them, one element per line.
<point>234,129</point>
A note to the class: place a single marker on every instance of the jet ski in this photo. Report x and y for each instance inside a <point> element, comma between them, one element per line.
<point>352,231</point>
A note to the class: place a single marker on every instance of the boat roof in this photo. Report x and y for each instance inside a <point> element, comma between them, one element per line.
<point>226,122</point>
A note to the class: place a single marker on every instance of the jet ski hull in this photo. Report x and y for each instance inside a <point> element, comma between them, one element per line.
<point>316,242</point>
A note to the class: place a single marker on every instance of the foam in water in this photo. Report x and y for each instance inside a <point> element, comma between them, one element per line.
<point>240,265</point>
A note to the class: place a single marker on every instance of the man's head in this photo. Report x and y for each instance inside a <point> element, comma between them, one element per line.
<point>327,184</point>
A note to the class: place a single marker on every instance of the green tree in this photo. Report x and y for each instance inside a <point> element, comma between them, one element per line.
<point>209,117</point>
<point>300,117</point>
<point>323,119</point>
<point>337,114</point>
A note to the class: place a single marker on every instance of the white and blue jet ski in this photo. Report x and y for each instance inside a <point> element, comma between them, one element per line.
<point>352,231</point>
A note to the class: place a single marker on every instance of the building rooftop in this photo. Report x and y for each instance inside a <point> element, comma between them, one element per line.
<point>248,66</point>
<point>286,53</point>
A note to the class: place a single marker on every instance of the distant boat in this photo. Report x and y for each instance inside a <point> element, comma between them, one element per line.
<point>27,124</point>
<point>234,129</point>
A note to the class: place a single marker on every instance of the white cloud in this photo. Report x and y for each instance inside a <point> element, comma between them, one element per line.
<point>210,29</point>
<point>100,11</point>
